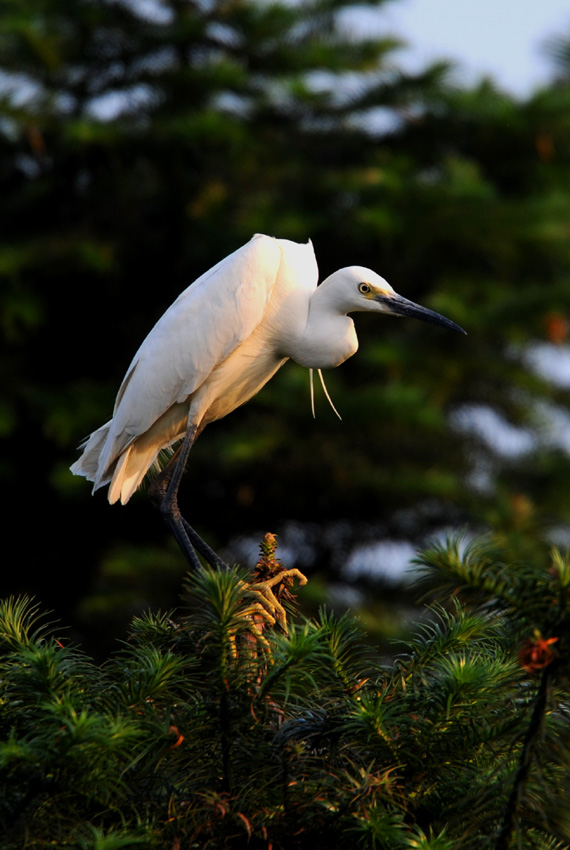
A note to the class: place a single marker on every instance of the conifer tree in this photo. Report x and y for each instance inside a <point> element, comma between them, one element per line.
<point>206,731</point>
<point>141,143</point>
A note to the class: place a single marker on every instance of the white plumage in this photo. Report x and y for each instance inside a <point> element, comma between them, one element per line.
<point>222,339</point>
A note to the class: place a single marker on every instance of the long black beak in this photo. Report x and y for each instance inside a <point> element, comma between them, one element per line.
<point>403,307</point>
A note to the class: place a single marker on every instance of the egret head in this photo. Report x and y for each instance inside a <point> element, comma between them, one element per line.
<point>358,289</point>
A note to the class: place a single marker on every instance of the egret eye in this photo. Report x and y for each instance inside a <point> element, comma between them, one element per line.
<point>364,288</point>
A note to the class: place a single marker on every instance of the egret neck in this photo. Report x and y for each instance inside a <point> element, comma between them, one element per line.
<point>329,336</point>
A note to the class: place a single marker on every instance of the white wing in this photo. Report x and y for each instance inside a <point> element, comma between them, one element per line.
<point>206,323</point>
<point>203,326</point>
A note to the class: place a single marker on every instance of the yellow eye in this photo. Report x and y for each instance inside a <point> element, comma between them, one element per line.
<point>364,288</point>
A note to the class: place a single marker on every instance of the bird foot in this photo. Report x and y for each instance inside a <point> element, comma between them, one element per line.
<point>270,583</point>
<point>265,601</point>
<point>261,607</point>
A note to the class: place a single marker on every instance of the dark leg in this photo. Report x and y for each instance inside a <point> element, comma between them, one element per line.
<point>200,544</point>
<point>163,493</point>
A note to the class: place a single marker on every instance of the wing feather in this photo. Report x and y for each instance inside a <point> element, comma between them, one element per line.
<point>213,316</point>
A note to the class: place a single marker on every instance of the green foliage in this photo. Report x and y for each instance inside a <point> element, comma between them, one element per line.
<point>136,149</point>
<point>142,142</point>
<point>216,730</point>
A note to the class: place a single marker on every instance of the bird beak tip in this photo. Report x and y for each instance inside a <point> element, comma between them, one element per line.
<point>403,307</point>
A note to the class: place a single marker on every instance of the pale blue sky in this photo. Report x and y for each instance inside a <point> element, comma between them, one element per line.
<point>499,37</point>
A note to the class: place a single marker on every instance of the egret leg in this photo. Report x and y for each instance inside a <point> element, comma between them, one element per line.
<point>163,493</point>
<point>200,544</point>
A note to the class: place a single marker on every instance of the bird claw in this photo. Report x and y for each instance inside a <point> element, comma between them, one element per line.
<point>267,605</point>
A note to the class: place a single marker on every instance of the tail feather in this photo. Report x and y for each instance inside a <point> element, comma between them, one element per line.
<point>124,475</point>
<point>130,469</point>
<point>123,460</point>
<point>88,464</point>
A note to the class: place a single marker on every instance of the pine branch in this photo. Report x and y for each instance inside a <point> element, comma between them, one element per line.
<point>531,739</point>
<point>202,730</point>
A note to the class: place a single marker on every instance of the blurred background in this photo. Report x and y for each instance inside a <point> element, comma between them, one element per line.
<point>143,140</point>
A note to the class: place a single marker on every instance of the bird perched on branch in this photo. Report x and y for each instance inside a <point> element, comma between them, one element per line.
<point>222,339</point>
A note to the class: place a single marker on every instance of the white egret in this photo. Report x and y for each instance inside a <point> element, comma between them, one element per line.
<point>222,339</point>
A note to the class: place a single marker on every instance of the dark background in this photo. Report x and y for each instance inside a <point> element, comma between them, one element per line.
<point>141,144</point>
